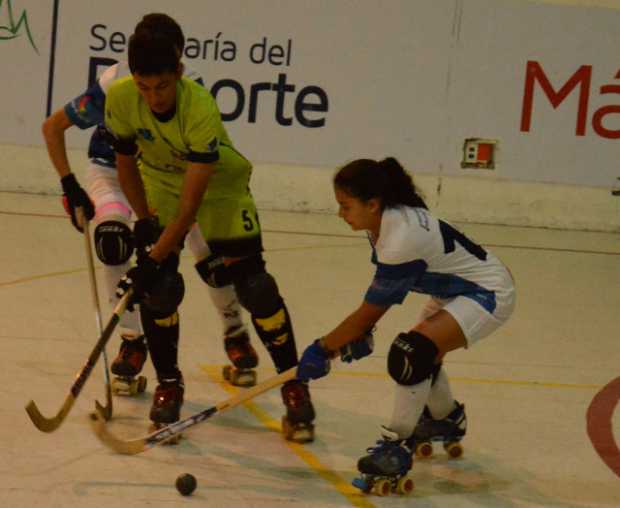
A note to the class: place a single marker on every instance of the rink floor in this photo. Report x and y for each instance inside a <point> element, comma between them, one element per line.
<point>541,394</point>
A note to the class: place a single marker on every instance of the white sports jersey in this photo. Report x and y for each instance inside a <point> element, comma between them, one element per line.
<point>418,252</point>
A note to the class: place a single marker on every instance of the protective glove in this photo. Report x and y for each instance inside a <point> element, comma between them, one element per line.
<point>359,348</point>
<point>314,362</point>
<point>140,279</point>
<point>146,233</point>
<point>74,196</point>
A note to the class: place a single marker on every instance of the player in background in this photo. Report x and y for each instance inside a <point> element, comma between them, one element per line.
<point>114,241</point>
<point>189,171</point>
<point>471,295</point>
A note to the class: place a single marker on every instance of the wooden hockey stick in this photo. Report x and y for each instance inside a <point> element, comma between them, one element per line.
<point>138,445</point>
<point>51,424</point>
<point>105,411</point>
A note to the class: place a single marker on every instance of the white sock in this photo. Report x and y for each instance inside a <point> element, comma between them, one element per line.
<point>440,401</point>
<point>409,403</point>
<point>224,298</point>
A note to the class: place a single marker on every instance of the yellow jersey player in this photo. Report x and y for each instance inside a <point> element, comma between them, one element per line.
<point>177,165</point>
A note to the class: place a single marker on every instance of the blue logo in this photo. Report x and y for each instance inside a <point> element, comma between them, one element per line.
<point>146,134</point>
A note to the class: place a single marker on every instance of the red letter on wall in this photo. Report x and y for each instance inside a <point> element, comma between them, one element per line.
<point>534,72</point>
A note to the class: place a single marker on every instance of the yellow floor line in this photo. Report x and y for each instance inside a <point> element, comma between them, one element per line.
<point>347,490</point>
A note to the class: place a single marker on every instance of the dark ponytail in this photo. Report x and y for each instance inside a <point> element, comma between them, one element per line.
<point>386,180</point>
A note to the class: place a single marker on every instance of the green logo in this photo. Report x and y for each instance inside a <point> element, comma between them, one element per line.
<point>13,30</point>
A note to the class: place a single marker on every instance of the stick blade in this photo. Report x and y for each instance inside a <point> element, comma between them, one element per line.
<point>129,447</point>
<point>41,422</point>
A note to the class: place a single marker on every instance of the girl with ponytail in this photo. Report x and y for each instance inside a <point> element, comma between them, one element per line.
<point>471,294</point>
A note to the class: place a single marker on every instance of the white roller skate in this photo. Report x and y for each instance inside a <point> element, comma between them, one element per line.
<point>384,470</point>
<point>449,431</point>
<point>127,365</point>
<point>243,357</point>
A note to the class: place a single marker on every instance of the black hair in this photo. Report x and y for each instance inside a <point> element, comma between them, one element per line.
<point>386,180</point>
<point>156,45</point>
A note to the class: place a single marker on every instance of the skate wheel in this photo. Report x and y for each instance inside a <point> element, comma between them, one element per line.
<point>404,485</point>
<point>424,450</point>
<point>243,378</point>
<point>454,449</point>
<point>141,384</point>
<point>300,433</point>
<point>120,387</point>
<point>382,487</point>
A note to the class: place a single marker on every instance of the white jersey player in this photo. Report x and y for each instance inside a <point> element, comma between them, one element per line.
<point>114,241</point>
<point>471,295</point>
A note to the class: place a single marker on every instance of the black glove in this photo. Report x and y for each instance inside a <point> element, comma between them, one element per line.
<point>359,348</point>
<point>146,233</point>
<point>74,197</point>
<point>141,279</point>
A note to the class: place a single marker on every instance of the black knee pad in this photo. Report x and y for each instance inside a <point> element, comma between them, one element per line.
<point>166,294</point>
<point>259,294</point>
<point>114,242</point>
<point>213,271</point>
<point>411,359</point>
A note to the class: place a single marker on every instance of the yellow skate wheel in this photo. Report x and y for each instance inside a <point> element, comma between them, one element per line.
<point>454,449</point>
<point>404,486</point>
<point>243,378</point>
<point>382,487</point>
<point>424,450</point>
<point>120,386</point>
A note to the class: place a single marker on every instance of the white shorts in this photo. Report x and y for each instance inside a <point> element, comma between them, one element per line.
<point>105,191</point>
<point>475,321</point>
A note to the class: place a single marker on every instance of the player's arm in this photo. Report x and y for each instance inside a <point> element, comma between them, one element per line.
<point>194,187</point>
<point>354,326</point>
<point>131,183</point>
<point>54,128</point>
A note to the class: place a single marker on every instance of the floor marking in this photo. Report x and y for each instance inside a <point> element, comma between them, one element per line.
<point>599,423</point>
<point>347,490</point>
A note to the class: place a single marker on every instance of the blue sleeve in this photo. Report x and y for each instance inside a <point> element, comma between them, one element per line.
<point>87,109</point>
<point>392,282</point>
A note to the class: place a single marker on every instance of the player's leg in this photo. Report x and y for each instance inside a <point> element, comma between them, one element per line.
<point>232,231</point>
<point>114,247</point>
<point>235,335</point>
<point>160,319</point>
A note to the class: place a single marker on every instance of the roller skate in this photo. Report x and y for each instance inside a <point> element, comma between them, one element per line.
<point>243,357</point>
<point>449,431</point>
<point>167,402</point>
<point>127,365</point>
<point>384,469</point>
<point>297,424</point>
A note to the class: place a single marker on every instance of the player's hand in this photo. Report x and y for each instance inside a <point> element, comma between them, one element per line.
<point>146,233</point>
<point>75,196</point>
<point>359,348</point>
<point>314,362</point>
<point>140,279</point>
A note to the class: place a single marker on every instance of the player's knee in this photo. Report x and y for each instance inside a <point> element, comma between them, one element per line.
<point>213,271</point>
<point>114,243</point>
<point>259,294</point>
<point>411,358</point>
<point>166,294</point>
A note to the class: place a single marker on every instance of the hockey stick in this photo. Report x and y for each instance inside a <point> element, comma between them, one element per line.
<point>138,445</point>
<point>105,411</point>
<point>51,424</point>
